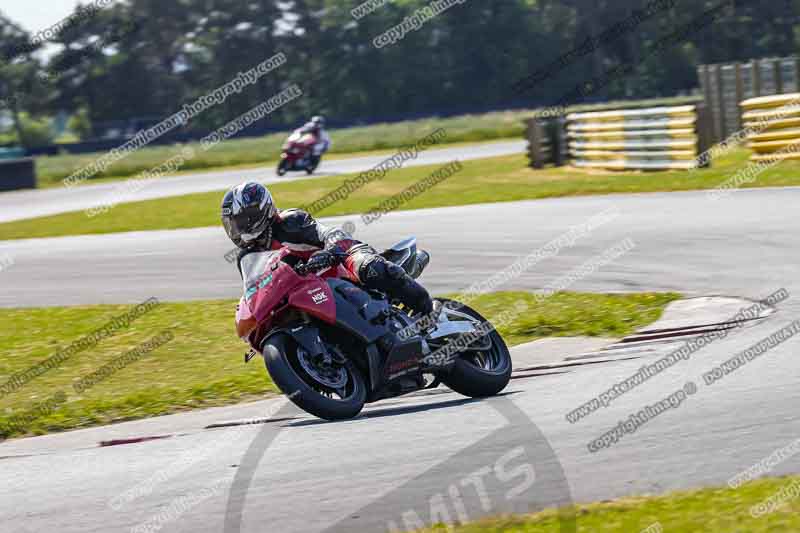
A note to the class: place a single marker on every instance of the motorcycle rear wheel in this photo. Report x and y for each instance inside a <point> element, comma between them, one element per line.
<point>282,359</point>
<point>480,374</point>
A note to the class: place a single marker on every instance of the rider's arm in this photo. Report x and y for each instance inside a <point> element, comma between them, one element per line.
<point>299,228</point>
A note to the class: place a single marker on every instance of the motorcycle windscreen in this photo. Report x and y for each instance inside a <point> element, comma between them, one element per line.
<point>264,283</point>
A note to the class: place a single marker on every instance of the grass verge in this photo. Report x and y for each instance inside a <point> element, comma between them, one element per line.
<point>262,150</point>
<point>202,365</point>
<point>721,510</point>
<point>499,179</point>
<point>265,150</point>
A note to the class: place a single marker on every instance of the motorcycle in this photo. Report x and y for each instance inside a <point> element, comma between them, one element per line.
<point>332,345</point>
<point>296,154</point>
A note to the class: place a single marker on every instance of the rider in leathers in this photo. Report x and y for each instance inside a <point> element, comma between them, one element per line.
<point>254,224</point>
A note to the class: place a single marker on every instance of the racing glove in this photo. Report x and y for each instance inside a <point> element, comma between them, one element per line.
<point>320,261</point>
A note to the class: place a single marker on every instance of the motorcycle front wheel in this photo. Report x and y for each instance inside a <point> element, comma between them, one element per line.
<point>283,166</point>
<point>330,392</point>
<point>479,374</point>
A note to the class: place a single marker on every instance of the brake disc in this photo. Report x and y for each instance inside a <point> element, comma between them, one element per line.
<point>325,374</point>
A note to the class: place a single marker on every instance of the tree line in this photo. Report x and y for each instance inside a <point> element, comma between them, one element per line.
<point>136,61</point>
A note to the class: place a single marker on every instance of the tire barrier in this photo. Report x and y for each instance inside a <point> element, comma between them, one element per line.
<point>659,138</point>
<point>773,124</point>
<point>547,143</point>
<point>17,174</point>
<point>724,86</point>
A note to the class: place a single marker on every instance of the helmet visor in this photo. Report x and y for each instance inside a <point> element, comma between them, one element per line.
<point>247,225</point>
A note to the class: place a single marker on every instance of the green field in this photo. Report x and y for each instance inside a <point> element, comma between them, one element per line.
<point>265,150</point>
<point>501,179</point>
<point>717,510</point>
<point>203,365</point>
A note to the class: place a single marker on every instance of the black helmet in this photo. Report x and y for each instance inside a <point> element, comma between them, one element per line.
<point>319,121</point>
<point>247,212</point>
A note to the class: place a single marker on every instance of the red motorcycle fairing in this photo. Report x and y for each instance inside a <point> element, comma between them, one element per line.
<point>298,147</point>
<point>270,284</point>
<point>315,298</point>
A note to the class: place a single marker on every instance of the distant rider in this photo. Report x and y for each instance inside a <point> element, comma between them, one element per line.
<point>316,126</point>
<point>254,224</point>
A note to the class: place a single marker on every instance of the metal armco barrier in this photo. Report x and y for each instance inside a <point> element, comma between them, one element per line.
<point>773,124</point>
<point>17,174</point>
<point>659,138</point>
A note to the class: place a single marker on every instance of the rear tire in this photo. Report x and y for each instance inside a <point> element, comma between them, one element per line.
<point>471,378</point>
<point>280,352</point>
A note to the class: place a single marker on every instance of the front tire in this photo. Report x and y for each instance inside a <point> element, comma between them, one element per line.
<point>283,166</point>
<point>281,357</point>
<point>480,374</point>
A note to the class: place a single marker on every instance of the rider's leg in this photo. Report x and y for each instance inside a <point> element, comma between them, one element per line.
<point>375,272</point>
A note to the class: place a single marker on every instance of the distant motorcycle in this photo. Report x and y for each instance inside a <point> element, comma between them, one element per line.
<point>297,151</point>
<point>331,345</point>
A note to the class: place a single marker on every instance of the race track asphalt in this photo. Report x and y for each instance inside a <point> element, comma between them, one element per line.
<point>438,454</point>
<point>18,205</point>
